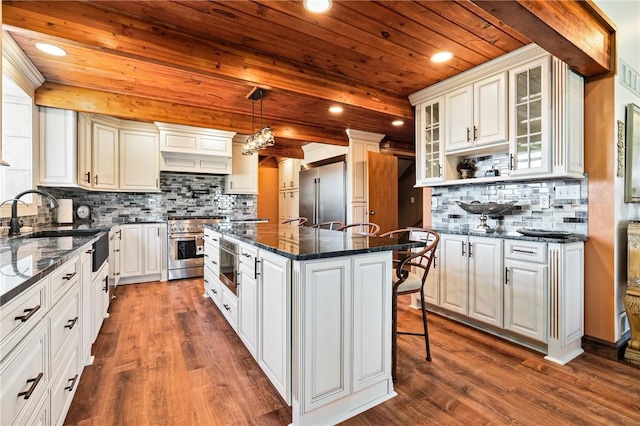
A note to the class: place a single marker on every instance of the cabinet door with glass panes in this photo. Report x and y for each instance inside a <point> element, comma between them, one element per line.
<point>530,117</point>
<point>430,149</point>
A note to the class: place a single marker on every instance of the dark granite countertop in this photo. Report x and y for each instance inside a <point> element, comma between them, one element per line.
<point>514,236</point>
<point>25,261</point>
<point>303,243</point>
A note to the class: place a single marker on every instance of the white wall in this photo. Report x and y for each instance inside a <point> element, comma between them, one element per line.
<point>626,16</point>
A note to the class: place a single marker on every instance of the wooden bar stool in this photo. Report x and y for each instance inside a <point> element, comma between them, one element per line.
<point>295,221</point>
<point>364,228</point>
<point>333,225</point>
<point>409,275</point>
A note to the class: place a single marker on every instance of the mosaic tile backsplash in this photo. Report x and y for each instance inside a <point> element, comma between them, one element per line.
<point>181,195</point>
<point>561,215</point>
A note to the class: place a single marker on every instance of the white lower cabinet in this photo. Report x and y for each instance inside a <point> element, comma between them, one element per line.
<point>526,288</point>
<point>248,298</point>
<point>64,384</point>
<point>274,321</point>
<point>46,338</point>
<point>100,303</point>
<point>24,375</point>
<point>141,252</point>
<point>320,329</point>
<point>86,311</point>
<point>531,292</point>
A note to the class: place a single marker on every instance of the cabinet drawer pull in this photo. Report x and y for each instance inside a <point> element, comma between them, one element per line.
<point>34,383</point>
<point>214,262</point>
<point>511,166</point>
<point>206,281</point>
<point>246,254</point>
<point>463,251</point>
<point>214,291</point>
<point>226,307</point>
<point>475,133</point>
<point>71,323</point>
<point>106,284</point>
<point>29,313</point>
<point>215,240</point>
<point>468,134</point>
<point>69,276</point>
<point>470,251</point>
<point>524,251</point>
<point>88,177</point>
<point>96,178</point>
<point>506,275</point>
<point>90,251</point>
<point>73,383</point>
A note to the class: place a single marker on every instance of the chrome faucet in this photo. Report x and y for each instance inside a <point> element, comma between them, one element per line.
<point>14,227</point>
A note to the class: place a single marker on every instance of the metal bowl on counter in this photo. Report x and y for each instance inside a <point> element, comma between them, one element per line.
<point>484,209</point>
<point>476,207</point>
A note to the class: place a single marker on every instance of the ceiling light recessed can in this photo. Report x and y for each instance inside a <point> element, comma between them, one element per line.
<point>441,57</point>
<point>336,109</point>
<point>51,49</point>
<point>397,122</point>
<point>317,6</point>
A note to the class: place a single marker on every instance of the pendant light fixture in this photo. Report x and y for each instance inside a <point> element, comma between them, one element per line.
<point>264,137</point>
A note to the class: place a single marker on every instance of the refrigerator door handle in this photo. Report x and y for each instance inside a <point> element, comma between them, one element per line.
<point>316,199</point>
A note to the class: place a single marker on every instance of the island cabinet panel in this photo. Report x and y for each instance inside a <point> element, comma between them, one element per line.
<point>274,348</point>
<point>341,337</point>
<point>326,331</point>
<point>371,301</point>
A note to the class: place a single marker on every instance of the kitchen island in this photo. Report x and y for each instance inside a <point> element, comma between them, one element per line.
<point>313,307</point>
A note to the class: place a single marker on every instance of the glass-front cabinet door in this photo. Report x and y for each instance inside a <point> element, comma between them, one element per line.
<point>430,150</point>
<point>529,95</point>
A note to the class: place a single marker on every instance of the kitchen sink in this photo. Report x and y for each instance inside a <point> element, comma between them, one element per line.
<point>62,233</point>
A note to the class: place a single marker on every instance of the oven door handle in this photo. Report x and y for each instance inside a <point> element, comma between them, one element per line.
<point>184,237</point>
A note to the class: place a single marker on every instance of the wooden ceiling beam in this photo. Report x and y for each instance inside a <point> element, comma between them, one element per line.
<point>142,109</point>
<point>91,27</point>
<point>574,31</point>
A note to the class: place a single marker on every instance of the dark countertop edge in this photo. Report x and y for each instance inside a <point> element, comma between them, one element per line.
<point>29,282</point>
<point>328,255</point>
<point>313,256</point>
<point>574,238</point>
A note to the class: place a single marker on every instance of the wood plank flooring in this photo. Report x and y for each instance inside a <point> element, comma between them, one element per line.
<point>166,356</point>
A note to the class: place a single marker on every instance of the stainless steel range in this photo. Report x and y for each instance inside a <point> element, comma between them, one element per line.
<point>186,245</point>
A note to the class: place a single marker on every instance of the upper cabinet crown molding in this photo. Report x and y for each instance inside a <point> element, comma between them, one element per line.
<point>359,135</point>
<point>17,65</point>
<point>509,60</point>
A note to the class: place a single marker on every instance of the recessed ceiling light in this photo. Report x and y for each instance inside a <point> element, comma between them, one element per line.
<point>397,122</point>
<point>441,57</point>
<point>317,6</point>
<point>51,49</point>
<point>336,109</point>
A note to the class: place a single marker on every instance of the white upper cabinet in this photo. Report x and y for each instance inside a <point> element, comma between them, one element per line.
<point>477,114</point>
<point>139,167</point>
<point>526,105</point>
<point>530,106</point>
<point>104,155</point>
<point>244,176</point>
<point>117,155</point>
<point>430,152</point>
<point>57,147</point>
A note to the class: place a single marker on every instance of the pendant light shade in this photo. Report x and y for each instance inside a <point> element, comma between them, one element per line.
<point>264,137</point>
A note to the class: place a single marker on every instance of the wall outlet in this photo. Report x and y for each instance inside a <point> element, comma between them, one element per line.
<point>413,200</point>
<point>434,202</point>
<point>544,201</point>
<point>568,192</point>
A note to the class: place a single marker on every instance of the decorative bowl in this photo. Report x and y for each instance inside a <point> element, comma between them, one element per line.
<point>476,207</point>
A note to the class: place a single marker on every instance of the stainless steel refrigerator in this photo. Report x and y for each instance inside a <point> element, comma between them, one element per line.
<point>323,192</point>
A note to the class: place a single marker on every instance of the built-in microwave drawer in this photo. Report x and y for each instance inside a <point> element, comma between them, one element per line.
<point>525,250</point>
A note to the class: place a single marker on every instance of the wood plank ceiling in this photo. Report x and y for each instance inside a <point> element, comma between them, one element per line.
<point>194,62</point>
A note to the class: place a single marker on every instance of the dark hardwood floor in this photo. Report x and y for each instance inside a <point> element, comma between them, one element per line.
<point>166,356</point>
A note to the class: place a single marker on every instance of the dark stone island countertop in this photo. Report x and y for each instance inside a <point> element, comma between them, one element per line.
<point>303,243</point>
